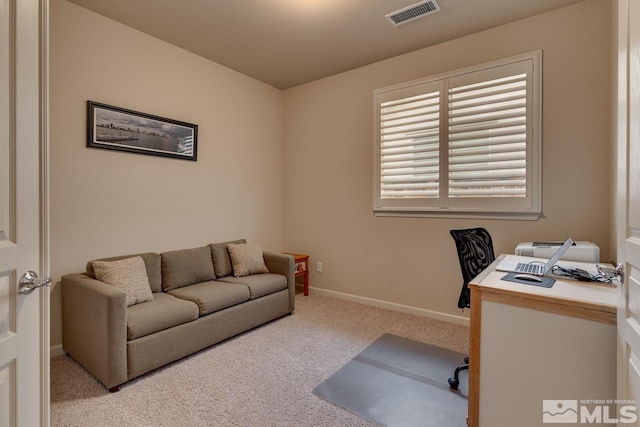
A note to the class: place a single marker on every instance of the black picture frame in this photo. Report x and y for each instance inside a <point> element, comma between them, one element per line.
<point>120,129</point>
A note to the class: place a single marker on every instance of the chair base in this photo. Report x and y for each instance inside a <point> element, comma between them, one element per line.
<point>454,381</point>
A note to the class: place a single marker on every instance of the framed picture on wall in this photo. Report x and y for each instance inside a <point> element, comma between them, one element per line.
<point>115,128</point>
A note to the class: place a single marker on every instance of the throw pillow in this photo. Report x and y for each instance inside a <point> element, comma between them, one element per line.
<point>220,257</point>
<point>128,275</point>
<point>151,262</point>
<point>246,259</point>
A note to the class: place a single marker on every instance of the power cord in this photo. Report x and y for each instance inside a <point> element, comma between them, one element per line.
<point>605,275</point>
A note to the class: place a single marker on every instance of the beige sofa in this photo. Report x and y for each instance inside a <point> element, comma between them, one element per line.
<point>197,301</point>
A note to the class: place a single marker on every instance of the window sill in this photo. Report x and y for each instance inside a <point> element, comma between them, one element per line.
<point>515,216</point>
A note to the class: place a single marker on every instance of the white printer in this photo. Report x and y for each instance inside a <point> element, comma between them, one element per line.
<point>580,251</point>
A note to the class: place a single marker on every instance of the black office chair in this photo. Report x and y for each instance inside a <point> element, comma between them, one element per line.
<point>475,253</point>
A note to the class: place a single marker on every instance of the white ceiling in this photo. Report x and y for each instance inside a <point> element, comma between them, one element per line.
<point>289,42</point>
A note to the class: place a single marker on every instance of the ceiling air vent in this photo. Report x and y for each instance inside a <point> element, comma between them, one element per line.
<point>413,12</point>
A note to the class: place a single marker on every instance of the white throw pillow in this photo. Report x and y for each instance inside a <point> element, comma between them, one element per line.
<point>128,275</point>
<point>246,258</point>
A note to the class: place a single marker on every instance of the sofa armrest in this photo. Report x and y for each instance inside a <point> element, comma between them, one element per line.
<point>283,264</point>
<point>94,327</point>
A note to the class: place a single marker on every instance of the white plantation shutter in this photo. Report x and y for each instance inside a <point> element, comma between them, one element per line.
<point>409,146</point>
<point>488,138</point>
<point>466,143</point>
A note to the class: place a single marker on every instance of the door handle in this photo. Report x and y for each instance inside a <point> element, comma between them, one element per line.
<point>30,281</point>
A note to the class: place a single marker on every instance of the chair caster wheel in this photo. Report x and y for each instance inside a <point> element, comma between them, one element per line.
<point>453,383</point>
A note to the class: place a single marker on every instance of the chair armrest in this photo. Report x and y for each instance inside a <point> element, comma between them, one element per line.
<point>94,327</point>
<point>283,264</point>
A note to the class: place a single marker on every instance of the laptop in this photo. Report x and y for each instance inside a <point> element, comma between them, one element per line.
<point>535,268</point>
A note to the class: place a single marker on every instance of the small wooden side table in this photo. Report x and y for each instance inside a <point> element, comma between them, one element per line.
<point>302,269</point>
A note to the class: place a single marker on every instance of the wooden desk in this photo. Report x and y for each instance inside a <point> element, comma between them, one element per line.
<point>530,344</point>
<point>302,269</point>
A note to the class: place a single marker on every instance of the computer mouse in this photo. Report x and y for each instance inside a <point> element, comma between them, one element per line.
<point>528,277</point>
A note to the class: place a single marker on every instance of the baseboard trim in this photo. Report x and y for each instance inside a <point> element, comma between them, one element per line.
<point>57,350</point>
<point>460,320</point>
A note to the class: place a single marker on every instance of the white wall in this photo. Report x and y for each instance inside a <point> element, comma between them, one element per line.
<point>292,170</point>
<point>412,262</point>
<point>107,203</point>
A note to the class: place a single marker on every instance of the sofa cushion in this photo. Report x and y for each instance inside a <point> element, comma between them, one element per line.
<point>220,257</point>
<point>246,259</point>
<point>151,262</point>
<point>185,267</point>
<point>129,275</point>
<point>213,296</point>
<point>164,312</point>
<point>260,284</point>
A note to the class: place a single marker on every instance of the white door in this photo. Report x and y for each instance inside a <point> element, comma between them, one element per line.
<point>24,318</point>
<point>628,198</point>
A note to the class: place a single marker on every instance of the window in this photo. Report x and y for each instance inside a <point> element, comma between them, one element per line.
<point>465,143</point>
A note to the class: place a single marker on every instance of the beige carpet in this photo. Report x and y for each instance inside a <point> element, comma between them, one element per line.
<point>264,377</point>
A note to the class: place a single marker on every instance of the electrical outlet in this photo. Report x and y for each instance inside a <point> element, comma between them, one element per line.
<point>319,267</point>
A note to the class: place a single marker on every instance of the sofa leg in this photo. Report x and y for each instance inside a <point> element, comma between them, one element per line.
<point>114,389</point>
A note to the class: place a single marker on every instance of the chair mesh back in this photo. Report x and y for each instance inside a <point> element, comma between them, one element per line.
<point>475,253</point>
